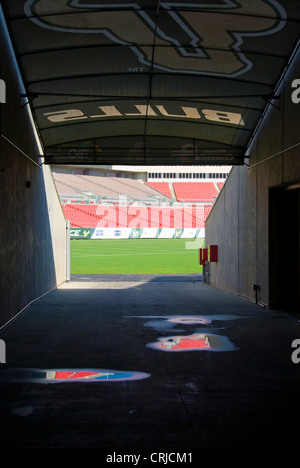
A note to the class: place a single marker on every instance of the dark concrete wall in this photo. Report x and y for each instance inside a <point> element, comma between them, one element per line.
<point>239,221</point>
<point>32,230</point>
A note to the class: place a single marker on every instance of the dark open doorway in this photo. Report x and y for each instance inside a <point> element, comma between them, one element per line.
<point>284,248</point>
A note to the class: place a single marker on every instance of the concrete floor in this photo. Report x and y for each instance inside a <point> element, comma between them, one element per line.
<point>242,393</point>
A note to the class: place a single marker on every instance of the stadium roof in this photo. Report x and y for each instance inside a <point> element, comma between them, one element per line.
<point>151,82</point>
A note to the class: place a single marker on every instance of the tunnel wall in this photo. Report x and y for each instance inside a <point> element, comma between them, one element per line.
<point>33,227</point>
<point>239,222</point>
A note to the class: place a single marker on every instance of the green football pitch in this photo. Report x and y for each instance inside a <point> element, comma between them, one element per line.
<point>135,256</point>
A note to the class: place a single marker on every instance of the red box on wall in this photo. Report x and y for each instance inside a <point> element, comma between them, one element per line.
<point>202,256</point>
<point>212,253</point>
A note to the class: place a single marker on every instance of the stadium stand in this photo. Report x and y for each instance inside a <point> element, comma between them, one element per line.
<point>109,187</point>
<point>79,217</point>
<point>195,191</point>
<point>64,187</point>
<point>113,187</point>
<point>135,216</point>
<point>97,201</point>
<point>134,188</point>
<point>161,187</point>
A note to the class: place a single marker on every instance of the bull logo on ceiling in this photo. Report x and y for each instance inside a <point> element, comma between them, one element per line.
<point>194,38</point>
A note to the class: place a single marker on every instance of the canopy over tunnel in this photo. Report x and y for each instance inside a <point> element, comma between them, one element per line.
<point>151,82</point>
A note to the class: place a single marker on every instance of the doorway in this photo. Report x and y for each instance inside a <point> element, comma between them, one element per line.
<point>284,248</point>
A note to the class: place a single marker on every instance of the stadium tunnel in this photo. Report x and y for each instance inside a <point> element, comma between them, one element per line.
<point>183,84</point>
<point>153,83</point>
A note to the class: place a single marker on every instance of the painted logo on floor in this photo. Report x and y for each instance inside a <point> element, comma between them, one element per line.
<point>198,341</point>
<point>194,342</point>
<point>69,375</point>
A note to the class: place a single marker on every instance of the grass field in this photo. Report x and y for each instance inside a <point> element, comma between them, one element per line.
<point>135,256</point>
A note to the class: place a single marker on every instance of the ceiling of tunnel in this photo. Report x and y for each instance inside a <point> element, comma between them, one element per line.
<point>151,82</point>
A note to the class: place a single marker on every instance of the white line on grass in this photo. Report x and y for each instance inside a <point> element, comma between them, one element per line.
<point>130,254</point>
